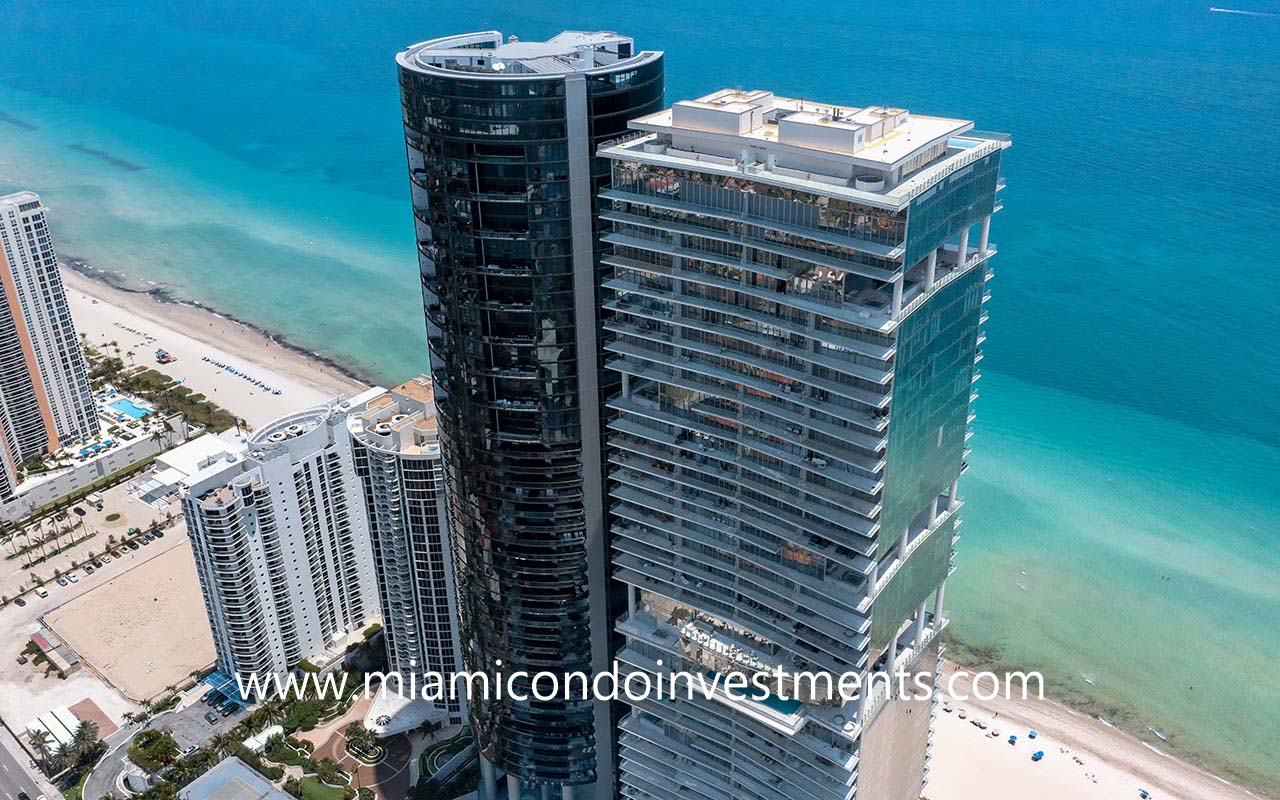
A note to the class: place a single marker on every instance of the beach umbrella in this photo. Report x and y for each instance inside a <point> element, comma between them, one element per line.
<point>1031,734</point>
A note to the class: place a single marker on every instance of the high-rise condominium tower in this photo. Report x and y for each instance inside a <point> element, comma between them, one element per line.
<point>45,402</point>
<point>281,543</point>
<point>501,139</point>
<point>797,301</point>
<point>398,459</point>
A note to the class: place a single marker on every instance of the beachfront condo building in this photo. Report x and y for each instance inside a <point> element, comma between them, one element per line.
<point>45,402</point>
<point>795,307</point>
<point>396,447</point>
<point>281,541</point>
<point>501,139</point>
<point>329,520</point>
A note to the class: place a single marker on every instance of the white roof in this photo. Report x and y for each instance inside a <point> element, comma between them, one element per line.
<point>186,460</point>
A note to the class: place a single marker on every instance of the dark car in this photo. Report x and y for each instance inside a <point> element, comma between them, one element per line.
<point>208,693</point>
<point>228,709</point>
<point>88,569</point>
<point>23,796</point>
<point>211,718</point>
<point>61,581</point>
<point>133,545</point>
<point>159,534</point>
<point>78,511</point>
<point>97,563</point>
<point>151,535</point>
<point>19,602</point>
<point>142,541</point>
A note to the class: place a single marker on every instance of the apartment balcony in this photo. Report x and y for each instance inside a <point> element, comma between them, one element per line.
<point>681,451</point>
<point>639,506</point>
<point>870,349</point>
<point>777,399</point>
<point>774,439</point>
<point>789,623</point>
<point>817,234</point>
<point>787,525</point>
<point>766,736</point>
<point>677,452</point>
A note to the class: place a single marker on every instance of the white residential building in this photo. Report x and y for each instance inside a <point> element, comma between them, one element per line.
<point>332,518</point>
<point>396,444</point>
<point>45,402</point>
<point>281,542</point>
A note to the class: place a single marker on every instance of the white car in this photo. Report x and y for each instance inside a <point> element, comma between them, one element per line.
<point>74,578</point>
<point>41,591</point>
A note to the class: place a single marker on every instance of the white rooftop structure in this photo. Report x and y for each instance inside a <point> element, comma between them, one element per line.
<point>487,53</point>
<point>875,154</point>
<point>176,467</point>
<point>392,712</point>
<point>258,742</point>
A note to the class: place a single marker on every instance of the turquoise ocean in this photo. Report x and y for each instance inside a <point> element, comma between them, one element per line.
<point>1122,523</point>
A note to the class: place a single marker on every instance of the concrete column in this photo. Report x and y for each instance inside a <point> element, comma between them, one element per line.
<point>930,269</point>
<point>566,792</point>
<point>897,297</point>
<point>933,511</point>
<point>954,499</point>
<point>891,663</point>
<point>626,385</point>
<point>873,579</point>
<point>964,246</point>
<point>985,235</point>
<point>489,779</point>
<point>937,602</point>
<point>919,628</point>
<point>864,698</point>
<point>513,787</point>
<point>546,791</point>
<point>631,602</point>
<point>903,541</point>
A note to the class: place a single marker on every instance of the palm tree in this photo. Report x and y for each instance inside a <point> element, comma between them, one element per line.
<point>61,758</point>
<point>85,737</point>
<point>220,744</point>
<point>40,739</point>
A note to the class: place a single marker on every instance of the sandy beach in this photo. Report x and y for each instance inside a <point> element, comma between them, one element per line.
<point>141,323</point>
<point>968,763</point>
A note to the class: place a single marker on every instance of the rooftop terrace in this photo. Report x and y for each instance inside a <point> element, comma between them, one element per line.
<point>486,54</point>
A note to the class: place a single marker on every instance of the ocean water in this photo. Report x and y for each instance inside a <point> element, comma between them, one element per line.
<point>1123,502</point>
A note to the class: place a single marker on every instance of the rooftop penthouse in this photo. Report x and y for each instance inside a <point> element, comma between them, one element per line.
<point>485,53</point>
<point>877,155</point>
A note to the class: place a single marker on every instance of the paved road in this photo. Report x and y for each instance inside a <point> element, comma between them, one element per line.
<point>16,773</point>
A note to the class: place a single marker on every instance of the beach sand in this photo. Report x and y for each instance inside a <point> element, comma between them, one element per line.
<point>968,763</point>
<point>145,629</point>
<point>141,323</point>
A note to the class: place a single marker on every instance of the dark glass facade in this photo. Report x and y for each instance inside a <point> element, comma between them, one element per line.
<point>491,163</point>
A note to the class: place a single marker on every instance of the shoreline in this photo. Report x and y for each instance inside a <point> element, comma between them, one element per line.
<point>1123,757</point>
<point>1112,762</point>
<point>106,281</point>
<point>140,321</point>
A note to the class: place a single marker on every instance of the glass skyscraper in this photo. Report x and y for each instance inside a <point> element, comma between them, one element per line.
<point>795,308</point>
<point>501,140</point>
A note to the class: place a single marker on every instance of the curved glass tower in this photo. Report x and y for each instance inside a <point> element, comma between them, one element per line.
<point>501,138</point>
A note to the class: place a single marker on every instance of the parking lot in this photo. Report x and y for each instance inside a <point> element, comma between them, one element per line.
<point>190,728</point>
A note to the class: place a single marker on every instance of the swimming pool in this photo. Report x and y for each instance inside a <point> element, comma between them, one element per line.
<point>129,408</point>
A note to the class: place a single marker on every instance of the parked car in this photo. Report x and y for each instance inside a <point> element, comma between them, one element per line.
<point>211,718</point>
<point>228,709</point>
<point>23,796</point>
<point>208,693</point>
<point>106,559</point>
<point>41,591</point>
<point>159,534</point>
<point>142,540</point>
<point>61,581</point>
<point>19,602</point>
<point>150,536</point>
<point>79,512</point>
<point>88,569</point>
<point>97,562</point>
<point>74,578</point>
<point>215,698</point>
<point>133,545</point>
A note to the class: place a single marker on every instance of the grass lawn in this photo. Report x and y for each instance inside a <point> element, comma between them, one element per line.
<point>313,789</point>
